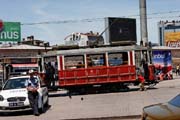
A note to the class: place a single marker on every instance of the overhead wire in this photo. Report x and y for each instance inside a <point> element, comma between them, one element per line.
<point>100,19</point>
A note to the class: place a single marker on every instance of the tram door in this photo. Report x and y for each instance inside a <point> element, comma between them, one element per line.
<point>138,59</point>
<point>50,67</point>
<point>141,61</point>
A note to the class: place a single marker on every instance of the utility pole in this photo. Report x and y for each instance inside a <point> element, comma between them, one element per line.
<point>147,55</point>
<point>143,22</point>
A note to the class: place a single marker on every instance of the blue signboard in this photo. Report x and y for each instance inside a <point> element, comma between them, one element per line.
<point>162,58</point>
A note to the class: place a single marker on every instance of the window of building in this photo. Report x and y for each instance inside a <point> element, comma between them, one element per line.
<point>23,60</point>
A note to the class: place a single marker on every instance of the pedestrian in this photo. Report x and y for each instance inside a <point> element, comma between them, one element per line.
<point>32,86</point>
<point>146,70</point>
<point>177,69</point>
<point>47,75</point>
<point>52,76</point>
<point>142,81</point>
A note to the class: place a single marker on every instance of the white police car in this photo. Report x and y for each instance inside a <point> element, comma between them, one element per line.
<point>14,97</point>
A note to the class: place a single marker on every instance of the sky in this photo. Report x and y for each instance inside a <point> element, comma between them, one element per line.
<point>72,15</point>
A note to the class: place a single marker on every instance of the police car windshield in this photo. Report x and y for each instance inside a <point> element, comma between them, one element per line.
<point>15,83</point>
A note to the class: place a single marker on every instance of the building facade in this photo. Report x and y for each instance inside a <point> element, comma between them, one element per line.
<point>169,35</point>
<point>19,58</point>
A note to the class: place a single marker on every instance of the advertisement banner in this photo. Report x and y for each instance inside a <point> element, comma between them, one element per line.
<point>10,31</point>
<point>162,59</point>
<point>172,39</point>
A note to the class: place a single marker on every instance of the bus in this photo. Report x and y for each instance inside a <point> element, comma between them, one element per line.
<point>108,67</point>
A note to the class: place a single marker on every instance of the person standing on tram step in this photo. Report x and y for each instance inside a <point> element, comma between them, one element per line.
<point>48,75</point>
<point>52,73</point>
<point>32,86</point>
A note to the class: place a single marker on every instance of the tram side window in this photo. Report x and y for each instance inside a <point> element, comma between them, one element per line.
<point>96,60</point>
<point>73,62</point>
<point>115,59</point>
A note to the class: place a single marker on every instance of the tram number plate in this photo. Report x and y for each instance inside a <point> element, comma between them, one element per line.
<point>17,104</point>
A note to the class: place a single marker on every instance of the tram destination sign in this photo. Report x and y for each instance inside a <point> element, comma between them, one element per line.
<point>10,31</point>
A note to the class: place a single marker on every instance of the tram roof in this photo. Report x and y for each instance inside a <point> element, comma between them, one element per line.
<point>94,50</point>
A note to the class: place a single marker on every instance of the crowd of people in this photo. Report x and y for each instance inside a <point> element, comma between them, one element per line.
<point>50,74</point>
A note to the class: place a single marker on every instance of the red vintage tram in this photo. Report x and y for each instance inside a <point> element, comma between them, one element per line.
<point>109,67</point>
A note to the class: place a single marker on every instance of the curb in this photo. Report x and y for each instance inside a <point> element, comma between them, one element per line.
<point>109,118</point>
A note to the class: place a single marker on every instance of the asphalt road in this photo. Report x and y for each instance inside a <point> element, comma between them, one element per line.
<point>102,106</point>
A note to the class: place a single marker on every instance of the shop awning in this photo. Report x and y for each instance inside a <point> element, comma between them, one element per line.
<point>25,65</point>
